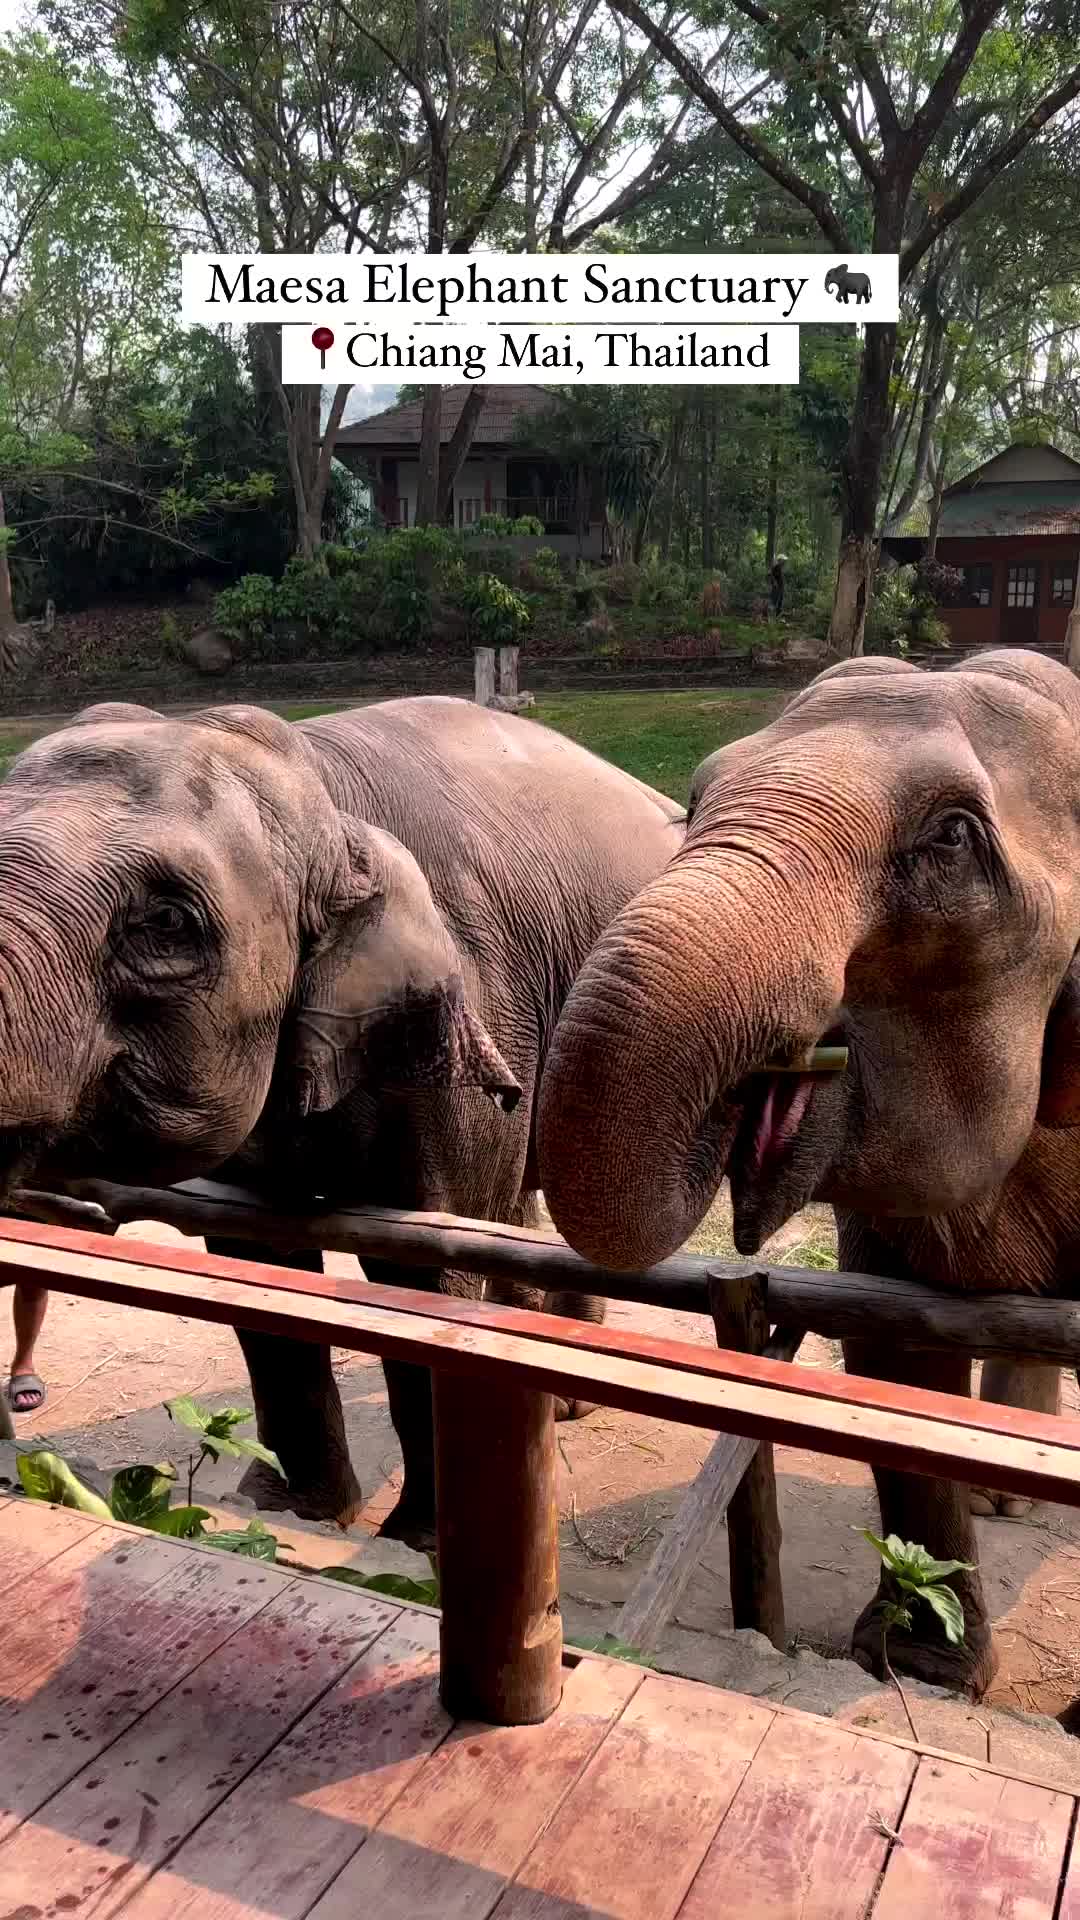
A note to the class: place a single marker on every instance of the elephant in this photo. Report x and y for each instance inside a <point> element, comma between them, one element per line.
<point>893,866</point>
<point>304,955</point>
<point>844,283</point>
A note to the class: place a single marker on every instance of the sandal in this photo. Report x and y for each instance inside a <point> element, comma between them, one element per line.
<point>28,1388</point>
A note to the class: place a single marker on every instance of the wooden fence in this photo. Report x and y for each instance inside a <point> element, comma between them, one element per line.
<point>754,1309</point>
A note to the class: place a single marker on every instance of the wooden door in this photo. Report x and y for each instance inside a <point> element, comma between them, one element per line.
<point>1020,605</point>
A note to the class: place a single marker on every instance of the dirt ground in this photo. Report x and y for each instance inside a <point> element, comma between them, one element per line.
<point>621,1478</point>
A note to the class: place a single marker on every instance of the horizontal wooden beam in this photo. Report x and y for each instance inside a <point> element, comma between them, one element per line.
<point>903,1427</point>
<point>826,1303</point>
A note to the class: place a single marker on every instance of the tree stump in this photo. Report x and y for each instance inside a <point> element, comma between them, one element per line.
<point>498,1550</point>
<point>509,658</point>
<point>484,676</point>
<point>753,1523</point>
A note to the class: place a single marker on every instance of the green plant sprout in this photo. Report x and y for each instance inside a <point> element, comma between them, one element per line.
<point>141,1496</point>
<point>918,1576</point>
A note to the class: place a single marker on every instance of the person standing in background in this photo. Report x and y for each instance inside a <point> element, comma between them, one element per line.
<point>776,585</point>
<point>25,1393</point>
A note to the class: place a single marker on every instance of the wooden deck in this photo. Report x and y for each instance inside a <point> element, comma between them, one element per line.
<point>188,1736</point>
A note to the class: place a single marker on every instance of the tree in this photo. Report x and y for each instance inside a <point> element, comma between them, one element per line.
<point>907,107</point>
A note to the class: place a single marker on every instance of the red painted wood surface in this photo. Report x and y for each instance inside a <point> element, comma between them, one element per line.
<point>976,1846</point>
<point>905,1427</point>
<point>720,1364</point>
<point>804,1834</point>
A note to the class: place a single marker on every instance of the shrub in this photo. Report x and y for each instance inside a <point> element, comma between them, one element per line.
<point>495,613</point>
<point>937,584</point>
<point>246,612</point>
<point>665,585</point>
<point>714,598</point>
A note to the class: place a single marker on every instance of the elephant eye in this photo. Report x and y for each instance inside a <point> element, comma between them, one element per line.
<point>167,919</point>
<point>952,834</point>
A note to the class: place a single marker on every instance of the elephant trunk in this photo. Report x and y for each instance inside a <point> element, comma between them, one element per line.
<point>733,957</point>
<point>49,1034</point>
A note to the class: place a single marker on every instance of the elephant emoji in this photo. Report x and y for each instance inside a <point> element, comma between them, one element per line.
<point>843,283</point>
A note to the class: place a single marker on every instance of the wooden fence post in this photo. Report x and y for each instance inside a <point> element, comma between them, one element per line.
<point>484,676</point>
<point>498,1550</point>
<point>753,1523</point>
<point>508,671</point>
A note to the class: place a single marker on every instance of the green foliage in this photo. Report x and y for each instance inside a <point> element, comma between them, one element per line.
<point>217,1431</point>
<point>45,1476</point>
<point>399,1586</point>
<point>503,524</point>
<point>141,1496</point>
<point>497,616</point>
<point>916,1575</point>
<point>613,1648</point>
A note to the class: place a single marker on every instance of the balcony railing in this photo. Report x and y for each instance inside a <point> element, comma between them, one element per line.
<point>558,513</point>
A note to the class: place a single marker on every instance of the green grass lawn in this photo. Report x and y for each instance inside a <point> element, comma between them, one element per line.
<point>659,737</point>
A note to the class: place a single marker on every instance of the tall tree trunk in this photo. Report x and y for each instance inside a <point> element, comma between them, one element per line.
<point>863,462</point>
<point>772,506</point>
<point>456,453</point>
<point>705,479</point>
<point>678,428</point>
<point>7,606</point>
<point>427,485</point>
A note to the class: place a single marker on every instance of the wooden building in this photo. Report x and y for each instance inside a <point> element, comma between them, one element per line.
<point>1012,526</point>
<point>502,473</point>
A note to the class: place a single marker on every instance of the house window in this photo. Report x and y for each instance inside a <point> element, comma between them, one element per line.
<point>1062,583</point>
<point>1022,589</point>
<point>978,584</point>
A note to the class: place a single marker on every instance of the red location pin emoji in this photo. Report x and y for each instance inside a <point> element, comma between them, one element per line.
<point>323,339</point>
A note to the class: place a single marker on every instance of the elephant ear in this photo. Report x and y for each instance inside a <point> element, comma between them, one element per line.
<point>1059,1097</point>
<point>380,997</point>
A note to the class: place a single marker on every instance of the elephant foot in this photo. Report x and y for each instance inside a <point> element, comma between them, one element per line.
<point>412,1522</point>
<point>989,1505</point>
<point>926,1655</point>
<point>574,1409</point>
<point>271,1494</point>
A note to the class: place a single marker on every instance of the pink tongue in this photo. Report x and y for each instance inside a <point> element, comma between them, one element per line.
<point>781,1117</point>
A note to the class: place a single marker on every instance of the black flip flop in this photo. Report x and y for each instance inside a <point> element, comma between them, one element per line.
<point>26,1383</point>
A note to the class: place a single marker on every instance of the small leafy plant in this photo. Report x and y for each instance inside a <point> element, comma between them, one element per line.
<point>916,1575</point>
<point>142,1495</point>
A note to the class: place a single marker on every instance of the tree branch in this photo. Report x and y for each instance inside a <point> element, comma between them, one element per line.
<point>827,94</point>
<point>983,176</point>
<point>747,142</point>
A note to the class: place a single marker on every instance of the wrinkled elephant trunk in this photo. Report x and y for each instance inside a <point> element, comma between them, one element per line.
<point>733,957</point>
<point>47,1041</point>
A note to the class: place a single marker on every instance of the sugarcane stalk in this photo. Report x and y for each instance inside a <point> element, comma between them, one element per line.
<point>815,1060</point>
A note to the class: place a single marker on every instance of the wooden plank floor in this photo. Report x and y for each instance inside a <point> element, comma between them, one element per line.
<point>186,1736</point>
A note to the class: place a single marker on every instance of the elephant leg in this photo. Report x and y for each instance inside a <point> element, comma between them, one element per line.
<point>1015,1383</point>
<point>934,1514</point>
<point>408,1390</point>
<point>298,1411</point>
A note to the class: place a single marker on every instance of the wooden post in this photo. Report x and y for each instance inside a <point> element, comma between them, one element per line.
<point>484,692</point>
<point>646,1612</point>
<point>508,671</point>
<point>498,1550</point>
<point>753,1523</point>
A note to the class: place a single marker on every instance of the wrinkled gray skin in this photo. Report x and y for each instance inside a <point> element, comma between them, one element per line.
<point>893,864</point>
<point>306,956</point>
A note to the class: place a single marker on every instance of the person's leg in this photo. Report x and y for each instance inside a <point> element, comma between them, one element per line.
<point>25,1391</point>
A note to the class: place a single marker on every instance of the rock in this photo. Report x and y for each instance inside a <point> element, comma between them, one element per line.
<point>207,651</point>
<point>514,702</point>
<point>804,646</point>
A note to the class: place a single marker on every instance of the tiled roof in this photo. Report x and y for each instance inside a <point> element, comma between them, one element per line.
<point>502,411</point>
<point>1030,507</point>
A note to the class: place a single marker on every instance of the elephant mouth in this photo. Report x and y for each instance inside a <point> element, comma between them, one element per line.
<point>779,1150</point>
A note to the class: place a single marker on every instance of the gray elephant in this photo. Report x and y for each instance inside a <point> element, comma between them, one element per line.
<point>305,955</point>
<point>894,865</point>
<point>844,283</point>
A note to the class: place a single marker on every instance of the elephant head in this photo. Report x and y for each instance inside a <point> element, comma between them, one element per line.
<point>187,916</point>
<point>894,865</point>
